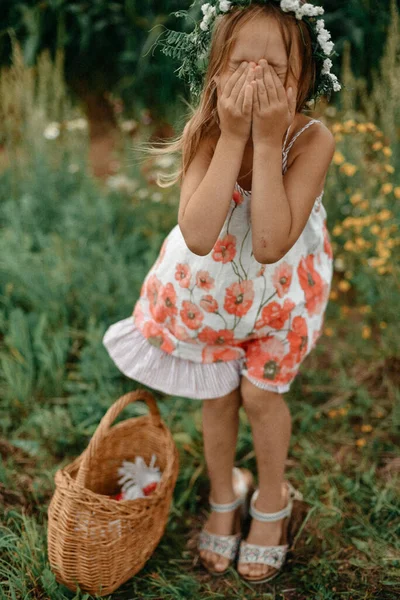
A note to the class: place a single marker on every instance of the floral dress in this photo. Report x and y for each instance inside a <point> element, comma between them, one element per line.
<point>201,322</point>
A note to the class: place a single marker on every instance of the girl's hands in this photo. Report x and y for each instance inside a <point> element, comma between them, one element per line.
<point>273,108</point>
<point>235,104</point>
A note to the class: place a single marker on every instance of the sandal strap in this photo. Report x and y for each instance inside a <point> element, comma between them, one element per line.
<point>225,545</point>
<point>275,516</point>
<point>273,556</point>
<point>226,507</point>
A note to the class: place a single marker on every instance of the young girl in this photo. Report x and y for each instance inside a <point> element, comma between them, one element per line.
<point>236,298</point>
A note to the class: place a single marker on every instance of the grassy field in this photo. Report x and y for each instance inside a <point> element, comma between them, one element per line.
<point>74,253</point>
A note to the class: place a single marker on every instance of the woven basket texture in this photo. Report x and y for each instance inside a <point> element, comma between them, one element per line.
<point>94,541</point>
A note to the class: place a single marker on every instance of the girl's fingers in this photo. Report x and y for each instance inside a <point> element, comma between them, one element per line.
<point>234,83</point>
<point>256,103</point>
<point>249,78</point>
<point>269,82</point>
<point>248,98</point>
<point>263,99</point>
<point>280,90</point>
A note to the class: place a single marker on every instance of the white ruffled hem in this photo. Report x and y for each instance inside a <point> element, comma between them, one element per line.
<point>141,361</point>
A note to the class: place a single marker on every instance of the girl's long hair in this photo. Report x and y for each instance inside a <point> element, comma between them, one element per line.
<point>203,119</point>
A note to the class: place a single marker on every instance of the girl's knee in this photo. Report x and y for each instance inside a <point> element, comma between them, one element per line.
<point>258,402</point>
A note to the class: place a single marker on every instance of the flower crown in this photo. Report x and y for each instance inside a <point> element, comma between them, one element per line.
<point>192,49</point>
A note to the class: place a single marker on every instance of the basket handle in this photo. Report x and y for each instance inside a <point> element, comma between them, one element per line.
<point>106,422</point>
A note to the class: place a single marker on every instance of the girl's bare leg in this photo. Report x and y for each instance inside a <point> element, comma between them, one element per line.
<point>220,429</point>
<point>270,421</point>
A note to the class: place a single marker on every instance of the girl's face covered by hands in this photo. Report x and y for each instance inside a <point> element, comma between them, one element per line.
<point>258,39</point>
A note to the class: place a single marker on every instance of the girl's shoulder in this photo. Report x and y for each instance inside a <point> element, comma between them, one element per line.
<point>306,132</point>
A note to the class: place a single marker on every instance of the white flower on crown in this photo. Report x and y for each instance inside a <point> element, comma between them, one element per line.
<point>305,10</point>
<point>224,5</point>
<point>208,12</point>
<point>327,65</point>
<point>287,5</point>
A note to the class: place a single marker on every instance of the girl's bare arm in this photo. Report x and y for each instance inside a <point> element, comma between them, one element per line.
<point>206,192</point>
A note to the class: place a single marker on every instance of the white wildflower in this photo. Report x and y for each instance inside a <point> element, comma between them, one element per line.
<point>156,196</point>
<point>164,161</point>
<point>122,183</point>
<point>76,124</point>
<point>52,131</point>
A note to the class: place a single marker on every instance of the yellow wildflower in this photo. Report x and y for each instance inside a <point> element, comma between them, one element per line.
<point>382,324</point>
<point>333,295</point>
<point>387,188</point>
<point>365,308</point>
<point>389,168</point>
<point>375,229</point>
<point>387,151</point>
<point>344,285</point>
<point>366,428</point>
<point>364,205</point>
<point>342,410</point>
<point>371,126</point>
<point>348,169</point>
<point>349,123</point>
<point>380,414</point>
<point>377,145</point>
<point>332,413</point>
<point>384,214</point>
<point>328,331</point>
<point>396,192</point>
<point>338,158</point>
<point>360,442</point>
<point>349,245</point>
<point>355,198</point>
<point>362,127</point>
<point>337,230</point>
<point>366,332</point>
<point>337,127</point>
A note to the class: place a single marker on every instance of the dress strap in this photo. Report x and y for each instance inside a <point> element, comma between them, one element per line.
<point>285,151</point>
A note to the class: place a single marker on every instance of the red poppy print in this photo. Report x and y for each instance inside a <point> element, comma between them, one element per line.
<point>157,337</point>
<point>179,331</point>
<point>327,241</point>
<point>183,275</point>
<point>204,280</point>
<point>228,306</point>
<point>191,315</point>
<point>237,197</point>
<point>212,354</point>
<point>266,361</point>
<point>239,298</point>
<point>315,288</point>
<point>209,304</point>
<point>298,339</point>
<point>215,338</point>
<point>224,249</point>
<point>261,271</point>
<point>282,278</point>
<point>275,315</point>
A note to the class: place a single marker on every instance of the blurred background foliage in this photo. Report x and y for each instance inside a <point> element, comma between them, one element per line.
<point>106,43</point>
<point>76,95</point>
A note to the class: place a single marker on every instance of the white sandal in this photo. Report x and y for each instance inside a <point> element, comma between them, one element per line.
<point>273,556</point>
<point>227,545</point>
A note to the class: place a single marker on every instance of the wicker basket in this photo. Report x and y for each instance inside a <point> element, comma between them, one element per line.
<point>93,540</point>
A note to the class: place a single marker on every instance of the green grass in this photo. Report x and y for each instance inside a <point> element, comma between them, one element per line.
<point>73,258</point>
